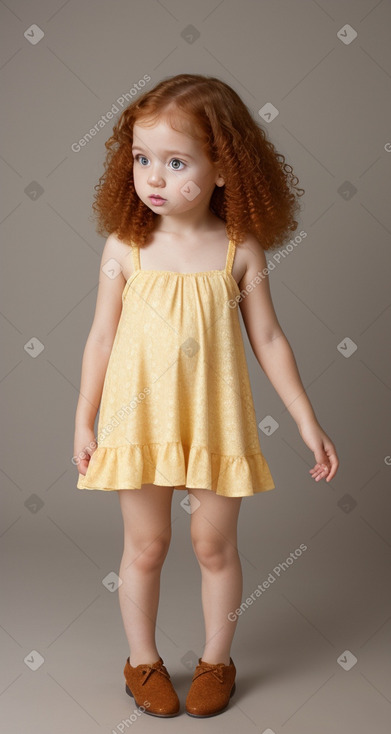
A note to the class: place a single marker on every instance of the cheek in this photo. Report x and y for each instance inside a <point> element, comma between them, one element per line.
<point>187,183</point>
<point>137,179</point>
<point>202,180</point>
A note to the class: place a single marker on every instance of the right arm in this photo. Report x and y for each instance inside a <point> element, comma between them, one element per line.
<point>97,353</point>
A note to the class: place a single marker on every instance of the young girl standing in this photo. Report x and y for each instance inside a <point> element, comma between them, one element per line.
<point>192,195</point>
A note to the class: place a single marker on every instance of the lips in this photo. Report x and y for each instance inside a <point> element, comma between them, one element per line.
<point>155,196</point>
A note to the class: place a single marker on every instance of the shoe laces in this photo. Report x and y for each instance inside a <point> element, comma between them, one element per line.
<point>158,667</point>
<point>216,670</point>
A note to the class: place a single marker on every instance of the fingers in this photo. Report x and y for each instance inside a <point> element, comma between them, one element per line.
<point>82,467</point>
<point>334,466</point>
<point>319,471</point>
<point>324,471</point>
<point>84,463</point>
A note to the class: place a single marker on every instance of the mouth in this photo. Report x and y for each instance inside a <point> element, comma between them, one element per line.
<point>156,197</point>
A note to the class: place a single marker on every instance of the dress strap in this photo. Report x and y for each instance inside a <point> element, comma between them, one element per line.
<point>136,256</point>
<point>230,256</point>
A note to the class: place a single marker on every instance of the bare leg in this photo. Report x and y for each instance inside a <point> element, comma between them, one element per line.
<point>147,533</point>
<point>214,538</point>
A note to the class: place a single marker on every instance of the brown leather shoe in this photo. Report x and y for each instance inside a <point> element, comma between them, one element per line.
<point>151,688</point>
<point>211,688</point>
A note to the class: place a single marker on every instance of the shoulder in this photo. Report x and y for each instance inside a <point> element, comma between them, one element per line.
<point>255,300</point>
<point>250,256</point>
<point>119,251</point>
<point>116,246</point>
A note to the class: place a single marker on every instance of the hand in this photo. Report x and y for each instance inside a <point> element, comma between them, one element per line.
<point>324,450</point>
<point>83,448</point>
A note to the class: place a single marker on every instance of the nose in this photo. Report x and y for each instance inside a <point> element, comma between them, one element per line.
<point>155,177</point>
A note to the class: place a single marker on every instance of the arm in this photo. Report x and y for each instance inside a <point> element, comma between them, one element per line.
<point>97,350</point>
<point>276,357</point>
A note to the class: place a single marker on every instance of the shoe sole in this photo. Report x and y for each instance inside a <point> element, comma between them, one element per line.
<point>145,711</point>
<point>207,716</point>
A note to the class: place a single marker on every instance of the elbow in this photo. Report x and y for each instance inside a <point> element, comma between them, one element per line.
<point>101,340</point>
<point>267,344</point>
<point>269,338</point>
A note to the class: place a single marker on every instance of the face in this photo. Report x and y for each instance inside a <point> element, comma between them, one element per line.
<point>171,165</point>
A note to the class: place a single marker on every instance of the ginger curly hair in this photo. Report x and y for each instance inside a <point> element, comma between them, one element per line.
<point>260,193</point>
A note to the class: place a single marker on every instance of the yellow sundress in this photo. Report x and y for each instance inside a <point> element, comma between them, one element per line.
<point>177,408</point>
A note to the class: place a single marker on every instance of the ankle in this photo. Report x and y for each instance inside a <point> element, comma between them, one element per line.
<point>143,658</point>
<point>215,659</point>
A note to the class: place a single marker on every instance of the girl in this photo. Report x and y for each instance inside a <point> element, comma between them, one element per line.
<point>192,195</point>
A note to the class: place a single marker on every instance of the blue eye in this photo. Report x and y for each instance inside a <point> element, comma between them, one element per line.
<point>140,156</point>
<point>178,161</point>
<point>136,157</point>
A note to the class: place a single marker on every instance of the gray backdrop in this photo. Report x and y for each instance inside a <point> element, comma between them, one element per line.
<point>313,651</point>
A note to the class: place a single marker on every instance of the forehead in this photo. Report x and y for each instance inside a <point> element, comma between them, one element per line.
<point>161,135</point>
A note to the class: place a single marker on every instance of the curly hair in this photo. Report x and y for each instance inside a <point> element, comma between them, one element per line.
<point>260,193</point>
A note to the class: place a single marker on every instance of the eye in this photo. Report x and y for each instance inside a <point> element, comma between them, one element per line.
<point>177,161</point>
<point>139,155</point>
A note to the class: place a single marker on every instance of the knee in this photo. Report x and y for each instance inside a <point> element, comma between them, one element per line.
<point>213,553</point>
<point>149,555</point>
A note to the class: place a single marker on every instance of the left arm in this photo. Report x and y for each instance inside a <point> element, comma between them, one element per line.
<point>277,360</point>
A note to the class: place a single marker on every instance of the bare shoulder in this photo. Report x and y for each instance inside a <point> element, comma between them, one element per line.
<point>116,249</point>
<point>112,278</point>
<point>250,257</point>
<point>255,302</point>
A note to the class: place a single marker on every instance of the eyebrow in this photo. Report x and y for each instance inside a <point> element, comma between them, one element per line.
<point>169,152</point>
